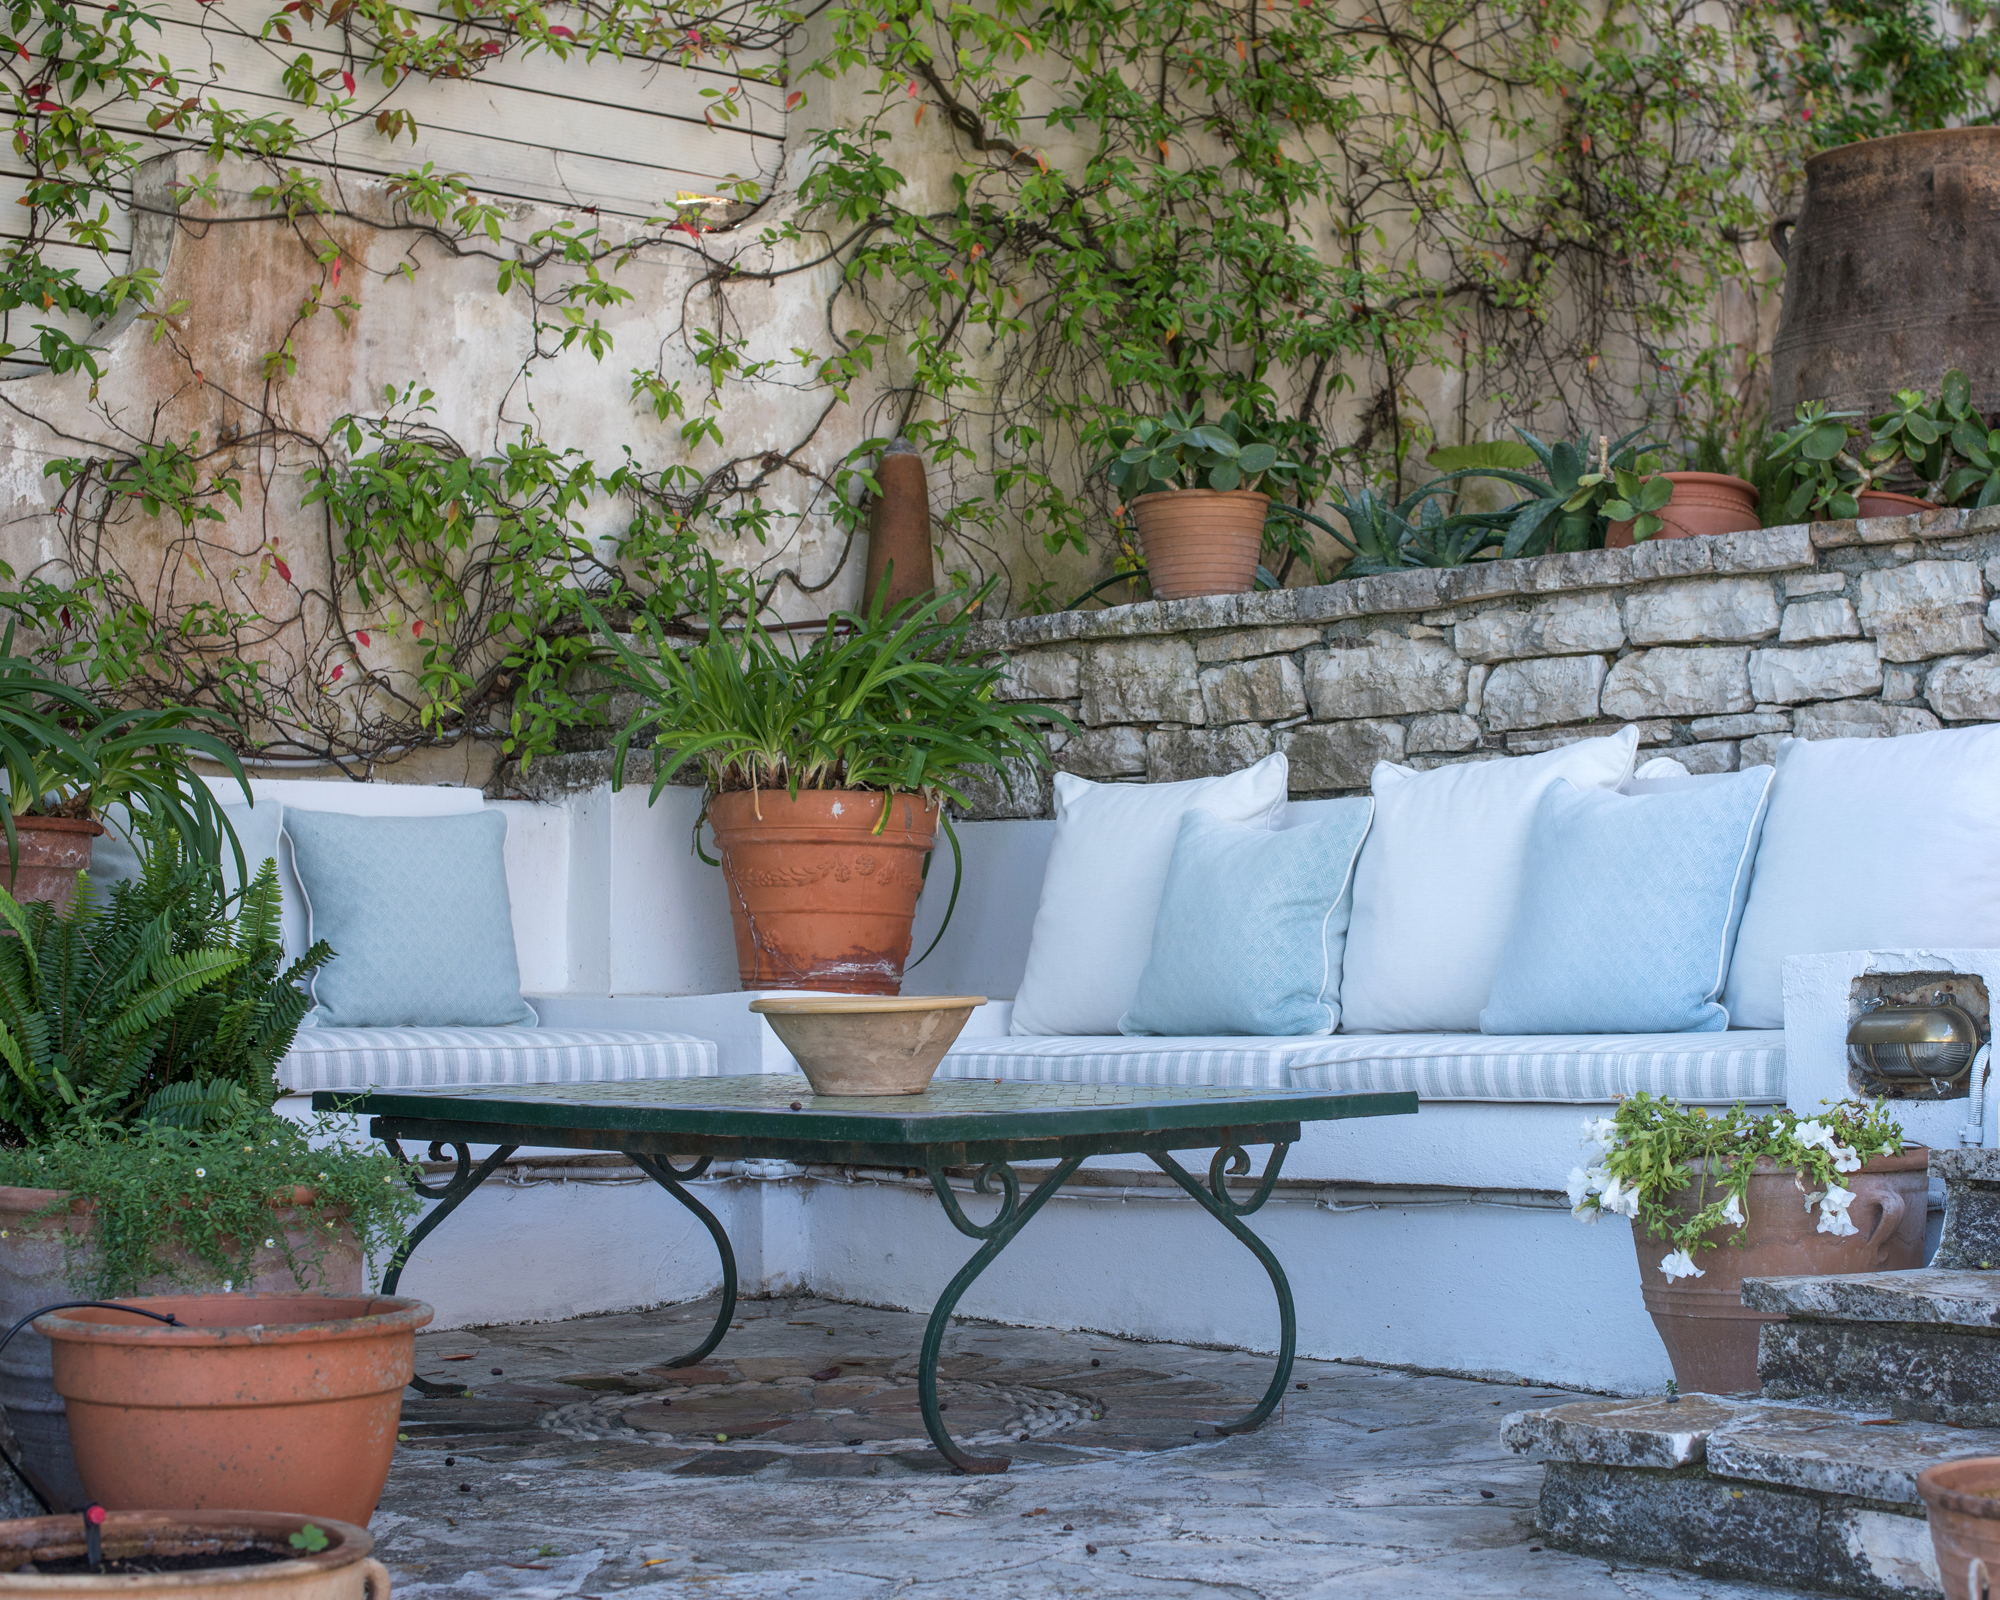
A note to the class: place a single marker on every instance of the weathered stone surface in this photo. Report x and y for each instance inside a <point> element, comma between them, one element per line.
<point>1761,751</point>
<point>1815,672</point>
<point>1930,1295</point>
<point>1442,730</point>
<point>1993,618</point>
<point>1544,691</point>
<point>1807,621</point>
<point>1971,1239</point>
<point>1719,755</point>
<point>1533,744</point>
<point>1268,689</point>
<point>1927,608</point>
<point>1205,752</point>
<point>1566,626</point>
<point>1244,643</point>
<point>1621,1433</point>
<point>1384,677</point>
<point>1902,682</point>
<point>1475,690</point>
<point>1860,719</point>
<point>1940,1374</point>
<point>1678,683</point>
<point>1719,611</point>
<point>1015,790</point>
<point>1339,755</point>
<point>1973,1164</point>
<point>1104,753</point>
<point>1966,690</point>
<point>1141,680</point>
<point>1743,725</point>
<point>1807,583</point>
<point>1042,675</point>
<point>1836,1452</point>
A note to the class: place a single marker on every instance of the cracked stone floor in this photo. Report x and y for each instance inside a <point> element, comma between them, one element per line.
<point>559,1460</point>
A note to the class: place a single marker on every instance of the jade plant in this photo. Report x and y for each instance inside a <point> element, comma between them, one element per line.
<point>1180,450</point>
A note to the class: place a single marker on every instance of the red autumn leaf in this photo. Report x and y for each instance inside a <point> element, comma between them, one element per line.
<point>47,105</point>
<point>284,571</point>
<point>562,33</point>
<point>347,81</point>
<point>794,98</point>
<point>362,635</point>
<point>65,616</point>
<point>1586,144</point>
<point>337,671</point>
<point>336,272</point>
<point>417,628</point>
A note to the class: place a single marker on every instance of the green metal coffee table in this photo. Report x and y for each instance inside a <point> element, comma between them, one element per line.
<point>980,1124</point>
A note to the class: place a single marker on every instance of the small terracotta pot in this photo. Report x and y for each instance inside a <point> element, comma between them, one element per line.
<point>52,851</point>
<point>1710,1335</point>
<point>1963,1499</point>
<point>1881,503</point>
<point>270,1402</point>
<point>1703,503</point>
<point>819,899</point>
<point>344,1570</point>
<point>864,1044</point>
<point>1200,541</point>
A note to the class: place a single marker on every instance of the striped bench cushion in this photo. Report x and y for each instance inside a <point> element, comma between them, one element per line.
<point>1700,1068</point>
<point>436,1058</point>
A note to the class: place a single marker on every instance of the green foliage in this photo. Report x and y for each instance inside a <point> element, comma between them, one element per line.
<point>1813,469</point>
<point>1181,451</point>
<point>1569,506</point>
<point>1387,536</point>
<point>1640,501</point>
<point>1510,454</point>
<point>311,1539</point>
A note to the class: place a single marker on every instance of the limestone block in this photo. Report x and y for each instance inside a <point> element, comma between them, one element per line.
<point>1141,680</point>
<point>1475,689</point>
<point>1993,618</point>
<point>1717,755</point>
<point>1678,683</point>
<point>1815,672</point>
<point>1815,583</point>
<point>1384,677</point>
<point>1339,755</point>
<point>1860,719</point>
<point>1268,689</point>
<point>1902,683</point>
<point>1927,608</point>
<point>1242,643</point>
<point>1621,1433</point>
<point>1043,675</point>
<point>1104,753</point>
<point>1993,573</point>
<point>1430,763</point>
<point>1715,611</point>
<point>1761,751</point>
<point>1543,691</point>
<point>1939,1373</point>
<point>1205,752</point>
<point>1810,620</point>
<point>1442,730</point>
<point>1533,744</point>
<point>1966,690</point>
<point>1567,625</point>
<point>1743,725</point>
<point>1015,790</point>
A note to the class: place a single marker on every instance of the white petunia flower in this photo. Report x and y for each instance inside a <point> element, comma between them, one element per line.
<point>1815,1134</point>
<point>1845,1159</point>
<point>1619,1199</point>
<point>1733,1213</point>
<point>1580,1188</point>
<point>1680,1265</point>
<point>1833,1216</point>
<point>1601,1132</point>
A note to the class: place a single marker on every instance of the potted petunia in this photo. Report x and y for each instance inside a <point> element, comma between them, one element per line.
<point>1717,1197</point>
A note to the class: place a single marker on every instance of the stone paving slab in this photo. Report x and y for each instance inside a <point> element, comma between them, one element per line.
<point>1836,1452</point>
<point>1373,1483</point>
<point>1928,1295</point>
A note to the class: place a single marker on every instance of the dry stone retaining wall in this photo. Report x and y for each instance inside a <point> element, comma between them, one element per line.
<point>1716,648</point>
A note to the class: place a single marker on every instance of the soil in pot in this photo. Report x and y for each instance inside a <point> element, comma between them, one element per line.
<point>1963,1501</point>
<point>271,1402</point>
<point>51,852</point>
<point>1200,541</point>
<point>867,1044</point>
<point>38,1257</point>
<point>1703,503</point>
<point>1881,503</point>
<point>1710,1335</point>
<point>188,1555</point>
<point>819,898</point>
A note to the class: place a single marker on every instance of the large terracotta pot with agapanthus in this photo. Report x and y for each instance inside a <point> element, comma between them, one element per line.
<point>190,1555</point>
<point>1718,1197</point>
<point>829,755</point>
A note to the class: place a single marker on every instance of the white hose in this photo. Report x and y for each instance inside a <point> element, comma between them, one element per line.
<point>1974,1132</point>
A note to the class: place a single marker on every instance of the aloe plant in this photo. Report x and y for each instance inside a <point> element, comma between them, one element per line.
<point>1564,508</point>
<point>1387,536</point>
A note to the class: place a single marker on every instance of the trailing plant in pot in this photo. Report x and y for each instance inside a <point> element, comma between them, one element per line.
<point>828,765</point>
<point>1717,1197</point>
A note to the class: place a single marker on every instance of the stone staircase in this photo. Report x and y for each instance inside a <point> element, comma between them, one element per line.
<point>1812,1482</point>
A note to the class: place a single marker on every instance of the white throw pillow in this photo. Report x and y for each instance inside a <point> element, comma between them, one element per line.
<point>1101,894</point>
<point>1871,844</point>
<point>1439,877</point>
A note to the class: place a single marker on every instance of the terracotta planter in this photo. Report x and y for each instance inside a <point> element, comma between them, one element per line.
<point>344,1570</point>
<point>862,1044</point>
<point>36,1253</point>
<point>819,899</point>
<point>1710,1335</point>
<point>269,1402</point>
<point>1963,1499</point>
<point>1703,503</point>
<point>52,851</point>
<point>1880,503</point>
<point>1200,541</point>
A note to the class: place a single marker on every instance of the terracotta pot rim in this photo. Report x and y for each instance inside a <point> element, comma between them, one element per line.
<point>833,1005</point>
<point>1984,1507</point>
<point>1213,494</point>
<point>1912,1158</point>
<point>1950,135</point>
<point>1721,479</point>
<point>87,825</point>
<point>400,1313</point>
<point>348,1544</point>
<point>1915,502</point>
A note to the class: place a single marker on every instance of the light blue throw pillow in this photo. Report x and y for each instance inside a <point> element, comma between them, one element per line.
<point>1629,909</point>
<point>416,911</point>
<point>1252,928</point>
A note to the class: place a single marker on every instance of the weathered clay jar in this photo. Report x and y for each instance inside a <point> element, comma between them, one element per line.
<point>1963,1500</point>
<point>1881,503</point>
<point>899,531</point>
<point>344,1570</point>
<point>862,1044</point>
<point>1710,1335</point>
<point>1703,503</point>
<point>819,899</point>
<point>40,1259</point>
<point>52,851</point>
<point>266,1402</point>
<point>1200,541</point>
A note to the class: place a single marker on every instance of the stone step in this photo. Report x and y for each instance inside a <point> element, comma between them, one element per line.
<point>1807,1495</point>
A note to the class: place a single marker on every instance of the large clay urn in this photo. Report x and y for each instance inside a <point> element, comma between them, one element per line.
<point>1710,1335</point>
<point>1892,272</point>
<point>819,897</point>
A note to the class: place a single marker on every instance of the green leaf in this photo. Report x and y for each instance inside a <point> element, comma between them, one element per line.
<point>1824,442</point>
<point>1955,391</point>
<point>1257,458</point>
<point>1507,453</point>
<point>1228,475</point>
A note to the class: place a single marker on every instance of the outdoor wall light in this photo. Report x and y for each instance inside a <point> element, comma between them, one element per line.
<point>1914,1047</point>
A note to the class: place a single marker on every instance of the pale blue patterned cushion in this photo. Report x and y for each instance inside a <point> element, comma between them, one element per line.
<point>1629,909</point>
<point>416,911</point>
<point>433,1058</point>
<point>1252,928</point>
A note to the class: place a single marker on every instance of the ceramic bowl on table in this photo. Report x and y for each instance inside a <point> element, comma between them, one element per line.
<point>868,1044</point>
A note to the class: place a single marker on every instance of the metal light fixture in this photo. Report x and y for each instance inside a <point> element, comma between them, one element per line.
<point>1908,1049</point>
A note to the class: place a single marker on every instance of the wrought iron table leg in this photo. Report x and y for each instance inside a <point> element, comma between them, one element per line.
<point>670,1178</point>
<point>997,1234</point>
<point>463,1181</point>
<point>1216,1200</point>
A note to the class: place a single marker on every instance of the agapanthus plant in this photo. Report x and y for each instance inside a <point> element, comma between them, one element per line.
<point>1641,1162</point>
